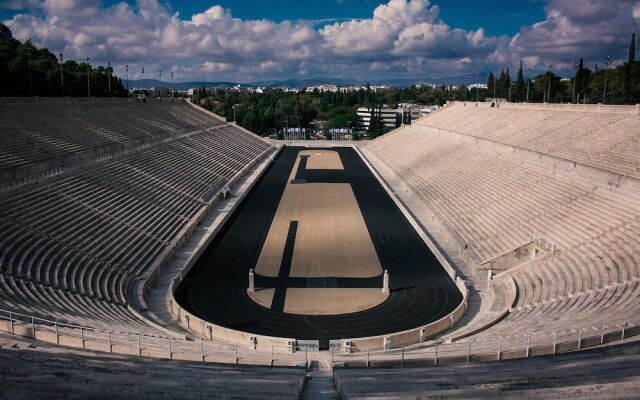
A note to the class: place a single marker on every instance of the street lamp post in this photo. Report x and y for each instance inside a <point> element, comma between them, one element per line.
<point>494,87</point>
<point>109,66</point>
<point>142,82</point>
<point>172,89</point>
<point>528,82</point>
<point>477,86</point>
<point>127,71</point>
<point>88,82</point>
<point>510,86</point>
<point>61,76</point>
<point>575,78</point>
<point>549,84</point>
<point>234,115</point>
<point>160,74</point>
<point>28,53</point>
<point>465,89</point>
<point>604,92</point>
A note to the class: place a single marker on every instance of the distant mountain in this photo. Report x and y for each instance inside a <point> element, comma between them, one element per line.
<point>151,83</point>
<point>303,83</point>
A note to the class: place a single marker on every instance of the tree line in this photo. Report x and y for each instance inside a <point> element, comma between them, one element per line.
<point>269,112</point>
<point>586,86</point>
<point>26,70</point>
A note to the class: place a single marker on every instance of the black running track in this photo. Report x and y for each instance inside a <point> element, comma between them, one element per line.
<point>215,288</point>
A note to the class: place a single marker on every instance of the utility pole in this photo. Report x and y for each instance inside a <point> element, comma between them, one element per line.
<point>494,87</point>
<point>127,71</point>
<point>575,78</point>
<point>604,93</point>
<point>528,81</point>
<point>88,82</point>
<point>465,89</point>
<point>510,73</point>
<point>549,85</point>
<point>61,76</point>
<point>28,53</point>
<point>109,66</point>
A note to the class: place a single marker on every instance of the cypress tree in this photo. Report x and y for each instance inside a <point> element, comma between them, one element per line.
<point>628,67</point>
<point>491,81</point>
<point>520,85</point>
<point>581,83</point>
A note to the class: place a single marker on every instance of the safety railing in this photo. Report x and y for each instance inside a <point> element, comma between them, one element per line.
<point>499,348</point>
<point>516,346</point>
<point>140,344</point>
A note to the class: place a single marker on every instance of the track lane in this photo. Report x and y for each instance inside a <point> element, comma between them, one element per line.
<point>215,289</point>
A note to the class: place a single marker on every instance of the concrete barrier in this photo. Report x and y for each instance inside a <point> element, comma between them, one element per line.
<point>416,335</point>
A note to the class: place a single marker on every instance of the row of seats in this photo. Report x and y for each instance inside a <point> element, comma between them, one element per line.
<point>72,246</point>
<point>42,136</point>
<point>594,374</point>
<point>76,375</point>
<point>495,202</point>
<point>606,140</point>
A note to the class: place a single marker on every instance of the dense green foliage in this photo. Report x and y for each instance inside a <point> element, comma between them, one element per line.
<point>269,112</point>
<point>26,70</point>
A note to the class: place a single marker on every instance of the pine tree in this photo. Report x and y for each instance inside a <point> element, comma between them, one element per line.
<point>628,83</point>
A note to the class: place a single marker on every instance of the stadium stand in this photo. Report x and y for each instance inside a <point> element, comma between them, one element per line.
<point>33,371</point>
<point>494,198</point>
<point>593,374</point>
<point>74,245</point>
<point>98,195</point>
<point>40,135</point>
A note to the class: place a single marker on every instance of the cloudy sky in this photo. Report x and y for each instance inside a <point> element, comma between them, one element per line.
<point>250,40</point>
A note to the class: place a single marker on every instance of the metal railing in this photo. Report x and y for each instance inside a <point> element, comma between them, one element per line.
<point>548,245</point>
<point>112,341</point>
<point>500,348</point>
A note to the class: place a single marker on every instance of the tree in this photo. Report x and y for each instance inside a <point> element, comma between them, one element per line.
<point>503,84</point>
<point>28,70</point>
<point>491,82</point>
<point>628,83</point>
<point>520,89</point>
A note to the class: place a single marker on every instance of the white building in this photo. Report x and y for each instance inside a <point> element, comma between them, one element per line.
<point>324,88</point>
<point>390,115</point>
<point>477,85</point>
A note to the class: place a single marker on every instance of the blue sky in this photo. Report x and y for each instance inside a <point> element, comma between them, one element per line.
<point>246,40</point>
<point>499,17</point>
<point>506,16</point>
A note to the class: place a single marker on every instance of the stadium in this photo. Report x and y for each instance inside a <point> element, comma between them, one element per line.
<point>151,248</point>
<point>137,238</point>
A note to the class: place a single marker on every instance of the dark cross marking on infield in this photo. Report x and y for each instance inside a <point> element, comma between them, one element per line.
<point>304,175</point>
<point>280,294</point>
<point>300,172</point>
<point>318,282</point>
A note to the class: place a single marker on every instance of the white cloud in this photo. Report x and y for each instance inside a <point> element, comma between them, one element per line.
<point>74,8</point>
<point>636,12</point>
<point>591,29</point>
<point>403,38</point>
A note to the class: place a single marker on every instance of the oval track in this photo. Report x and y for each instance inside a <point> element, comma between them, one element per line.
<point>215,289</point>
